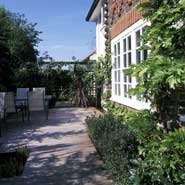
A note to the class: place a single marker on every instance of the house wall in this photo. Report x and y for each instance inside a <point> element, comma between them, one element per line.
<point>126,25</point>
<point>122,14</point>
<point>100,34</point>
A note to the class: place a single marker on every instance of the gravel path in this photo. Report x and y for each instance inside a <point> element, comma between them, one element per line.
<point>61,151</point>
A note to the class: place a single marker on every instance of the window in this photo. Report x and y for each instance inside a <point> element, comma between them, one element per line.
<point>127,61</point>
<point>127,50</point>
<point>117,70</point>
<point>140,54</point>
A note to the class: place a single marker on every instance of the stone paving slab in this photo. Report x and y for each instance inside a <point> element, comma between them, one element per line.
<point>61,151</point>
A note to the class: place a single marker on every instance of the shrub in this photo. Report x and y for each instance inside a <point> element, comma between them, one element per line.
<point>117,111</point>
<point>12,163</point>
<point>163,159</point>
<point>136,150</point>
<point>140,123</point>
<point>115,143</point>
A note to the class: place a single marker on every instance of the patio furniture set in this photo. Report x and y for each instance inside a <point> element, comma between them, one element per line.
<point>24,102</point>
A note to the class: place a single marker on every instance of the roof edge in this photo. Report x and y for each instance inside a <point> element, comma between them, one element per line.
<point>93,7</point>
<point>87,59</point>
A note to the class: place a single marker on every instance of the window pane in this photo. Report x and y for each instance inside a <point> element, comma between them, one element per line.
<point>145,54</point>
<point>138,38</point>
<point>119,62</point>
<point>129,59</point>
<point>129,43</point>
<point>138,57</point>
<point>118,48</point>
<point>115,89</point>
<point>115,63</point>
<point>115,76</point>
<point>124,45</point>
<point>115,50</point>
<point>130,79</point>
<point>125,78</point>
<point>125,60</point>
<point>125,90</point>
<point>129,87</point>
<point>118,76</point>
<point>119,90</point>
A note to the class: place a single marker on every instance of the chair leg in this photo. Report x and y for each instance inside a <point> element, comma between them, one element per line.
<point>22,110</point>
<point>5,123</point>
<point>17,114</point>
<point>47,113</point>
<point>28,115</point>
<point>0,129</point>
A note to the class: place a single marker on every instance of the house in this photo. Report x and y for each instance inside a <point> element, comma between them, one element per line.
<point>90,58</point>
<point>126,26</point>
<point>96,14</point>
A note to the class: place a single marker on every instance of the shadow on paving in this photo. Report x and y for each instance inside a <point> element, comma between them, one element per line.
<point>75,171</point>
<point>27,129</point>
<point>61,152</point>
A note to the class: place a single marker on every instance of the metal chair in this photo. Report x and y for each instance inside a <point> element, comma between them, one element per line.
<point>2,105</point>
<point>10,105</point>
<point>22,98</point>
<point>40,89</point>
<point>2,109</point>
<point>22,93</point>
<point>36,102</point>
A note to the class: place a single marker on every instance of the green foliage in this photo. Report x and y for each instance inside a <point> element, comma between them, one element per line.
<point>115,110</point>
<point>151,156</point>
<point>167,167</point>
<point>12,163</point>
<point>115,143</point>
<point>140,123</point>
<point>161,76</point>
<point>102,69</point>
<point>162,158</point>
<point>156,72</point>
<point>18,42</point>
<point>167,30</point>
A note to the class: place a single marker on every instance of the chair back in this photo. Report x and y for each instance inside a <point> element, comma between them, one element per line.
<point>2,104</point>
<point>10,102</point>
<point>40,89</point>
<point>36,101</point>
<point>22,93</point>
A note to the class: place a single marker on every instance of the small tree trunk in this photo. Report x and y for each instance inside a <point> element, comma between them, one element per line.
<point>98,96</point>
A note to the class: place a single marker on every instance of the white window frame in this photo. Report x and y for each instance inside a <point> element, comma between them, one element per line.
<point>130,101</point>
<point>127,61</point>
<point>116,71</point>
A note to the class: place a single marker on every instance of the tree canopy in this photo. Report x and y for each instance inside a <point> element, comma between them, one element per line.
<point>18,42</point>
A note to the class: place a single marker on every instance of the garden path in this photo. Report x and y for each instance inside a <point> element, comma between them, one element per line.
<point>61,151</point>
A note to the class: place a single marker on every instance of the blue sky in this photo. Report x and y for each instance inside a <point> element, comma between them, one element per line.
<point>65,31</point>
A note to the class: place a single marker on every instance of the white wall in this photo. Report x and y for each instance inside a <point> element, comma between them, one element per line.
<point>100,35</point>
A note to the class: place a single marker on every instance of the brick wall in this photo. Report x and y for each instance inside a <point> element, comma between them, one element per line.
<point>122,14</point>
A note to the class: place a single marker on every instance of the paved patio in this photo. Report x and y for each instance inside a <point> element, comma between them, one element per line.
<point>61,151</point>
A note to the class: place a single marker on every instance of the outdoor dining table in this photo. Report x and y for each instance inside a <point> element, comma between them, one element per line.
<point>22,103</point>
<point>24,100</point>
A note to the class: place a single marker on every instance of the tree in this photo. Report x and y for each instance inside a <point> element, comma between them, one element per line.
<point>18,42</point>
<point>102,75</point>
<point>162,74</point>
